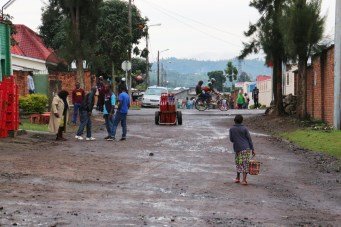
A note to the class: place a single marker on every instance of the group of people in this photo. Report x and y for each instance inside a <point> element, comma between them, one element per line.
<point>242,100</point>
<point>114,108</point>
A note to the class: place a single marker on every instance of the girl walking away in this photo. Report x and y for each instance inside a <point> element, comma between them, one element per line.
<point>243,148</point>
<point>59,114</point>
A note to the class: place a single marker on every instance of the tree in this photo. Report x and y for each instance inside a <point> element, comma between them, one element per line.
<point>244,77</point>
<point>231,71</point>
<point>113,39</point>
<point>266,34</point>
<point>302,29</point>
<point>67,26</point>
<point>219,77</point>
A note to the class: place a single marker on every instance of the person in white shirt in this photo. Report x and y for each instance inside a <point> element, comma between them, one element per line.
<point>30,83</point>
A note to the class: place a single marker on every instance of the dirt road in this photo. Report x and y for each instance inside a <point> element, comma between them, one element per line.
<point>161,176</point>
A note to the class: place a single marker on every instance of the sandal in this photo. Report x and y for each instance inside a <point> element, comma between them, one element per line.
<point>236,181</point>
<point>244,183</point>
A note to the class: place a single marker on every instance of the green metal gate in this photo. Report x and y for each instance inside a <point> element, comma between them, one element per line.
<point>5,55</point>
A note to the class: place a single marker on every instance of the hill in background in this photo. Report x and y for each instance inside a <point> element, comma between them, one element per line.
<point>187,72</point>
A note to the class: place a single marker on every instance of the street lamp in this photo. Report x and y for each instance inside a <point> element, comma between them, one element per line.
<point>147,48</point>
<point>158,65</point>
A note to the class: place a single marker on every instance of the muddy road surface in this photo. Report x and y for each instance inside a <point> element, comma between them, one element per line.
<point>161,176</point>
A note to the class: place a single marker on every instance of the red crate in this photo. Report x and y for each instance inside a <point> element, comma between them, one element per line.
<point>3,133</point>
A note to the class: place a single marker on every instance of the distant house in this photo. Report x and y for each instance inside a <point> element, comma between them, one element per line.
<point>30,53</point>
<point>264,84</point>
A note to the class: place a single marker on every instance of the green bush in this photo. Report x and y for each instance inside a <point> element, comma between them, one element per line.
<point>35,103</point>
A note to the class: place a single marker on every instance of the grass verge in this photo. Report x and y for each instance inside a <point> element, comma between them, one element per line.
<point>318,141</point>
<point>26,125</point>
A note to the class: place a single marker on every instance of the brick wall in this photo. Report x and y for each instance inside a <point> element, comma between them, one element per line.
<point>310,87</point>
<point>69,80</point>
<point>320,87</point>
<point>20,79</point>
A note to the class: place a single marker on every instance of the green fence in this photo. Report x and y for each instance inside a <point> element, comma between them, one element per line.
<point>41,83</point>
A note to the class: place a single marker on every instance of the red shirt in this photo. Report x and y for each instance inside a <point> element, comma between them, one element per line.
<point>206,89</point>
<point>77,96</point>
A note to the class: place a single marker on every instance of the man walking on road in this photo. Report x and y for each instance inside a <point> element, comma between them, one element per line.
<point>77,99</point>
<point>108,111</point>
<point>122,111</point>
<point>255,97</point>
<point>85,111</point>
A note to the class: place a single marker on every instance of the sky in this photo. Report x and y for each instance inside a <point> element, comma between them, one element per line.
<point>207,30</point>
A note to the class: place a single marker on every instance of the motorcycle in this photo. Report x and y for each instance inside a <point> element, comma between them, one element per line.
<point>203,104</point>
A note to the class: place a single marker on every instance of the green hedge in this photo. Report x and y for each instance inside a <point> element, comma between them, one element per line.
<point>35,103</point>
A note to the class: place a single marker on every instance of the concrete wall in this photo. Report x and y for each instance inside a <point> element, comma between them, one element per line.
<point>289,80</point>
<point>265,92</point>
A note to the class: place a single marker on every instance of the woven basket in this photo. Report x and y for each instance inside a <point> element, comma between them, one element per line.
<point>254,167</point>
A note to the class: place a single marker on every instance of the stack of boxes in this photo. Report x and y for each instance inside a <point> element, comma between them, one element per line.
<point>9,106</point>
<point>167,109</point>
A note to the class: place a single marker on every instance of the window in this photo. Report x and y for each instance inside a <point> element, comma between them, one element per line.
<point>288,79</point>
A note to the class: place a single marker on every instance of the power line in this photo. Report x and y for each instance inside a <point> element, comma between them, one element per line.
<point>193,20</point>
<point>192,27</point>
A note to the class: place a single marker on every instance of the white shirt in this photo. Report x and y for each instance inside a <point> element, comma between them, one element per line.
<point>30,83</point>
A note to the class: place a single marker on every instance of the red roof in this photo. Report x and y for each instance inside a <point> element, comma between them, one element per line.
<point>263,78</point>
<point>30,44</point>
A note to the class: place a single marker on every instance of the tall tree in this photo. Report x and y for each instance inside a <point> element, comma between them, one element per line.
<point>219,77</point>
<point>231,71</point>
<point>244,77</point>
<point>302,29</point>
<point>71,34</point>
<point>113,39</point>
<point>266,34</point>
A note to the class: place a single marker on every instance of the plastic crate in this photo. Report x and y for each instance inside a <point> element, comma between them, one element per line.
<point>3,133</point>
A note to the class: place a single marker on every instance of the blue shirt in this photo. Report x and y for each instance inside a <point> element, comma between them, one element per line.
<point>113,103</point>
<point>241,139</point>
<point>124,100</point>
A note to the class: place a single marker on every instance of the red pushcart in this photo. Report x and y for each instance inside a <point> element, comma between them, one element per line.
<point>168,114</point>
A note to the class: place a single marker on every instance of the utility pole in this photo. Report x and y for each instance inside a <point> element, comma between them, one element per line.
<point>337,70</point>
<point>147,57</point>
<point>147,48</point>
<point>158,68</point>
<point>130,47</point>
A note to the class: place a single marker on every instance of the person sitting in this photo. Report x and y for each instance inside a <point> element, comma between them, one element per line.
<point>202,92</point>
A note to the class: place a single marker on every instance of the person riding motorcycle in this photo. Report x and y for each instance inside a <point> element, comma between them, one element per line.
<point>205,92</point>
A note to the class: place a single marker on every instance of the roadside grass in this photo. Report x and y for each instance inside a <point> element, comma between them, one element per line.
<point>328,142</point>
<point>26,125</point>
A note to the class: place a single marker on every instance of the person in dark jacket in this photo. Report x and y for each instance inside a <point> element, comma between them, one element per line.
<point>85,111</point>
<point>243,148</point>
<point>109,111</point>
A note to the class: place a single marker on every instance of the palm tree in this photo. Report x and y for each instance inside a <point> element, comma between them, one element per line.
<point>302,29</point>
<point>266,35</point>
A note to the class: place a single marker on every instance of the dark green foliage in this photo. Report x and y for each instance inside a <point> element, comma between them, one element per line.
<point>35,103</point>
<point>266,35</point>
<point>113,39</point>
<point>219,77</point>
<point>68,25</point>
<point>302,28</point>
